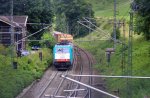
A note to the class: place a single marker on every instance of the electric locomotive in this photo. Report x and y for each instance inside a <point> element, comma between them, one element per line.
<point>63,55</point>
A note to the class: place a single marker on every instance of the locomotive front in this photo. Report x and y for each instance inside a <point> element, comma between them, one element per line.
<point>63,56</point>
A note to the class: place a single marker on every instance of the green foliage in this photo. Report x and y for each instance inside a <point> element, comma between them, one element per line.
<point>70,11</point>
<point>38,11</point>
<point>141,57</point>
<point>48,40</point>
<point>61,23</point>
<point>142,17</point>
<point>104,8</point>
<point>117,34</point>
<point>13,81</point>
<point>5,7</point>
<point>3,50</point>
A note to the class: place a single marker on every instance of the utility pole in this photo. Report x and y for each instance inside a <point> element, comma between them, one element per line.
<point>89,19</point>
<point>115,24</point>
<point>129,67</point>
<point>12,34</point>
<point>123,50</point>
<point>91,72</point>
<point>130,42</point>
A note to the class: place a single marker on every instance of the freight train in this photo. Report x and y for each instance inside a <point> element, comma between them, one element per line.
<point>63,52</point>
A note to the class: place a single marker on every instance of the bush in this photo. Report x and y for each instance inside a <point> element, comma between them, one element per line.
<point>117,34</point>
<point>49,40</point>
<point>13,81</point>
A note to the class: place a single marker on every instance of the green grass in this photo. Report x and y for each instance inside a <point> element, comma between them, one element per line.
<point>141,51</point>
<point>141,64</point>
<point>141,60</point>
<point>13,81</point>
<point>30,68</point>
<point>105,8</point>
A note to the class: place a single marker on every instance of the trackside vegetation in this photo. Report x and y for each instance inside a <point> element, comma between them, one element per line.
<point>30,68</point>
<point>142,17</point>
<point>140,50</point>
<point>141,57</point>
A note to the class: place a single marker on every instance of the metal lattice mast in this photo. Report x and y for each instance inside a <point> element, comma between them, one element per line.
<point>123,50</point>
<point>89,23</point>
<point>90,81</point>
<point>129,67</point>
<point>115,24</point>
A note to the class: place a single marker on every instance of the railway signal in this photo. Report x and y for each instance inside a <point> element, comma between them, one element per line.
<point>109,51</point>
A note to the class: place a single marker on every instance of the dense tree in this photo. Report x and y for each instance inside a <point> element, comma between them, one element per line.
<point>38,11</point>
<point>142,17</point>
<point>5,7</point>
<point>73,10</point>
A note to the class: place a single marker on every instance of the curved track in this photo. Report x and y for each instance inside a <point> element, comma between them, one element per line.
<point>51,85</point>
<point>83,65</point>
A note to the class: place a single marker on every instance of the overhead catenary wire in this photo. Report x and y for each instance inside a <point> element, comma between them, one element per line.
<point>95,25</point>
<point>32,34</point>
<point>88,27</point>
<point>118,41</point>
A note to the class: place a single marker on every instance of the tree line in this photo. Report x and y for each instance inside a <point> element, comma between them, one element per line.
<point>142,17</point>
<point>65,14</point>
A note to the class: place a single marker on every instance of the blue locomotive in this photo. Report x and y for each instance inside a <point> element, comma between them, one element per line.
<point>63,56</point>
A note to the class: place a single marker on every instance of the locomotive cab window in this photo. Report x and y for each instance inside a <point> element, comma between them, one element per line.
<point>62,50</point>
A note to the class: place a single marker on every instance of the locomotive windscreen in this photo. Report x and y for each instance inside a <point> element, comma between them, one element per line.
<point>62,54</point>
<point>62,50</point>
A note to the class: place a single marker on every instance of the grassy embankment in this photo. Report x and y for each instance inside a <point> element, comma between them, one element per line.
<point>105,8</point>
<point>141,58</point>
<point>30,68</point>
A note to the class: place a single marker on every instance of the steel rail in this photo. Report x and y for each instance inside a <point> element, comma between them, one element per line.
<point>74,59</point>
<point>74,65</point>
<point>60,84</point>
<point>90,72</point>
<point>47,85</point>
<point>89,90</point>
<point>81,71</point>
<point>74,93</point>
<point>90,78</point>
<point>62,81</point>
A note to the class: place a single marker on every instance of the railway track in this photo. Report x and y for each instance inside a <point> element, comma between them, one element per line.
<point>79,70</point>
<point>54,89</point>
<point>84,67</point>
<point>53,86</point>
